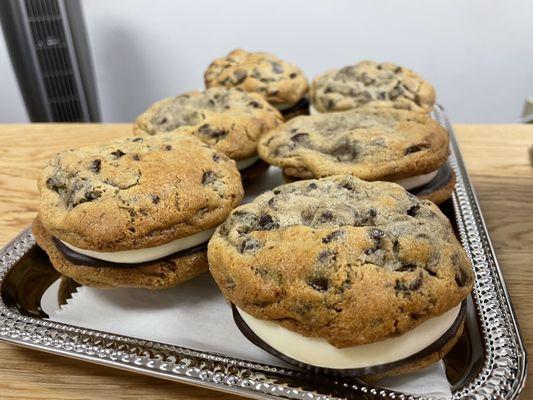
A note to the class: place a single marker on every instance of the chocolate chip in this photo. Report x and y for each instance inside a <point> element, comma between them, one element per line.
<point>53,183</point>
<point>267,223</point>
<point>326,257</point>
<point>382,96</point>
<point>255,104</point>
<point>136,157</point>
<point>413,210</point>
<point>249,245</point>
<point>239,76</point>
<point>137,139</point>
<point>318,283</point>
<point>407,268</point>
<point>397,70</point>
<point>335,235</point>
<point>397,91</point>
<point>326,216</point>
<point>155,198</point>
<point>293,75</point>
<point>406,286</point>
<point>271,202</point>
<point>312,186</point>
<point>300,137</point>
<point>161,121</point>
<point>96,165</point>
<point>277,68</point>
<point>88,196</point>
<point>377,234</point>
<point>413,149</point>
<point>216,157</point>
<point>168,147</point>
<point>208,177</point>
<point>118,153</point>
<point>207,130</point>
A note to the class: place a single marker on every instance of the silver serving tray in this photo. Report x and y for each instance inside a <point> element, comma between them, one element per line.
<point>488,362</point>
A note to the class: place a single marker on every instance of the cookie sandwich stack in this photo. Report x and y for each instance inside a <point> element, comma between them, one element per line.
<point>135,212</point>
<point>228,119</point>
<point>369,83</point>
<point>281,83</point>
<point>343,276</point>
<point>405,147</point>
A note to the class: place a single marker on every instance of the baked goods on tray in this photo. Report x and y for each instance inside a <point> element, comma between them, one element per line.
<point>134,212</point>
<point>407,147</point>
<point>344,276</point>
<point>281,83</point>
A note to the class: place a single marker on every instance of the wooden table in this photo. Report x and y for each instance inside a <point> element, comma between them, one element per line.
<point>497,156</point>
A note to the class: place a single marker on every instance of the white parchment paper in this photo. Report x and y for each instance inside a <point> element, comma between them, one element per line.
<point>195,315</point>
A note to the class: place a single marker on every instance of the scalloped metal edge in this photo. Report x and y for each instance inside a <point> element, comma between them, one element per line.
<point>502,374</point>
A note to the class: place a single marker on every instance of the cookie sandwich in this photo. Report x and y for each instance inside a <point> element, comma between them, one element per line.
<point>282,84</point>
<point>406,147</point>
<point>384,85</point>
<point>228,119</point>
<point>135,212</point>
<point>344,276</point>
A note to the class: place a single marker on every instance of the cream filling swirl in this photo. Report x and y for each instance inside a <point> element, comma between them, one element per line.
<point>318,352</point>
<point>149,253</point>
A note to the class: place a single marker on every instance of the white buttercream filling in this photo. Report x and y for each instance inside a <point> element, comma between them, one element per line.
<point>148,253</point>
<point>246,162</point>
<point>313,110</point>
<point>318,352</point>
<point>416,181</point>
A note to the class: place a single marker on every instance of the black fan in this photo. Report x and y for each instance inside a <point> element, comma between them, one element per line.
<point>50,53</point>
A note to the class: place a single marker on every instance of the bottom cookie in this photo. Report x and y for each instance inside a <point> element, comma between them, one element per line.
<point>418,360</point>
<point>159,274</point>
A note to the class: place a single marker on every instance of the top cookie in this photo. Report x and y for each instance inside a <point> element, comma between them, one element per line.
<point>228,119</point>
<point>377,84</point>
<point>137,192</point>
<point>369,143</point>
<point>340,258</point>
<point>281,83</point>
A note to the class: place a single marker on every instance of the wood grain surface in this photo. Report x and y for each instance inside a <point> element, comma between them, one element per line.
<point>498,158</point>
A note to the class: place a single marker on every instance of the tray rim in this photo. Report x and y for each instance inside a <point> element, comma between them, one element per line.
<point>502,374</point>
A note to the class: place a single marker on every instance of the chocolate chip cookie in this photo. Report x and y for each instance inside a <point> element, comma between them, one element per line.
<point>228,119</point>
<point>344,260</point>
<point>135,211</point>
<point>372,144</point>
<point>281,83</point>
<point>370,83</point>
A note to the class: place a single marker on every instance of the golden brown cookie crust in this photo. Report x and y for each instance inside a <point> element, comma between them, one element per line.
<point>228,119</point>
<point>139,192</point>
<point>383,85</point>
<point>420,363</point>
<point>340,258</point>
<point>368,143</point>
<point>280,82</point>
<point>442,194</point>
<point>158,275</point>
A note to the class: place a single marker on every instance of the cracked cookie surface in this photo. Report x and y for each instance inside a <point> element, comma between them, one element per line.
<point>228,119</point>
<point>281,83</point>
<point>340,258</point>
<point>138,192</point>
<point>368,143</point>
<point>370,83</point>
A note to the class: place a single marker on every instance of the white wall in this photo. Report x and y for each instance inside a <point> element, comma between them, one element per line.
<point>11,104</point>
<point>478,53</point>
